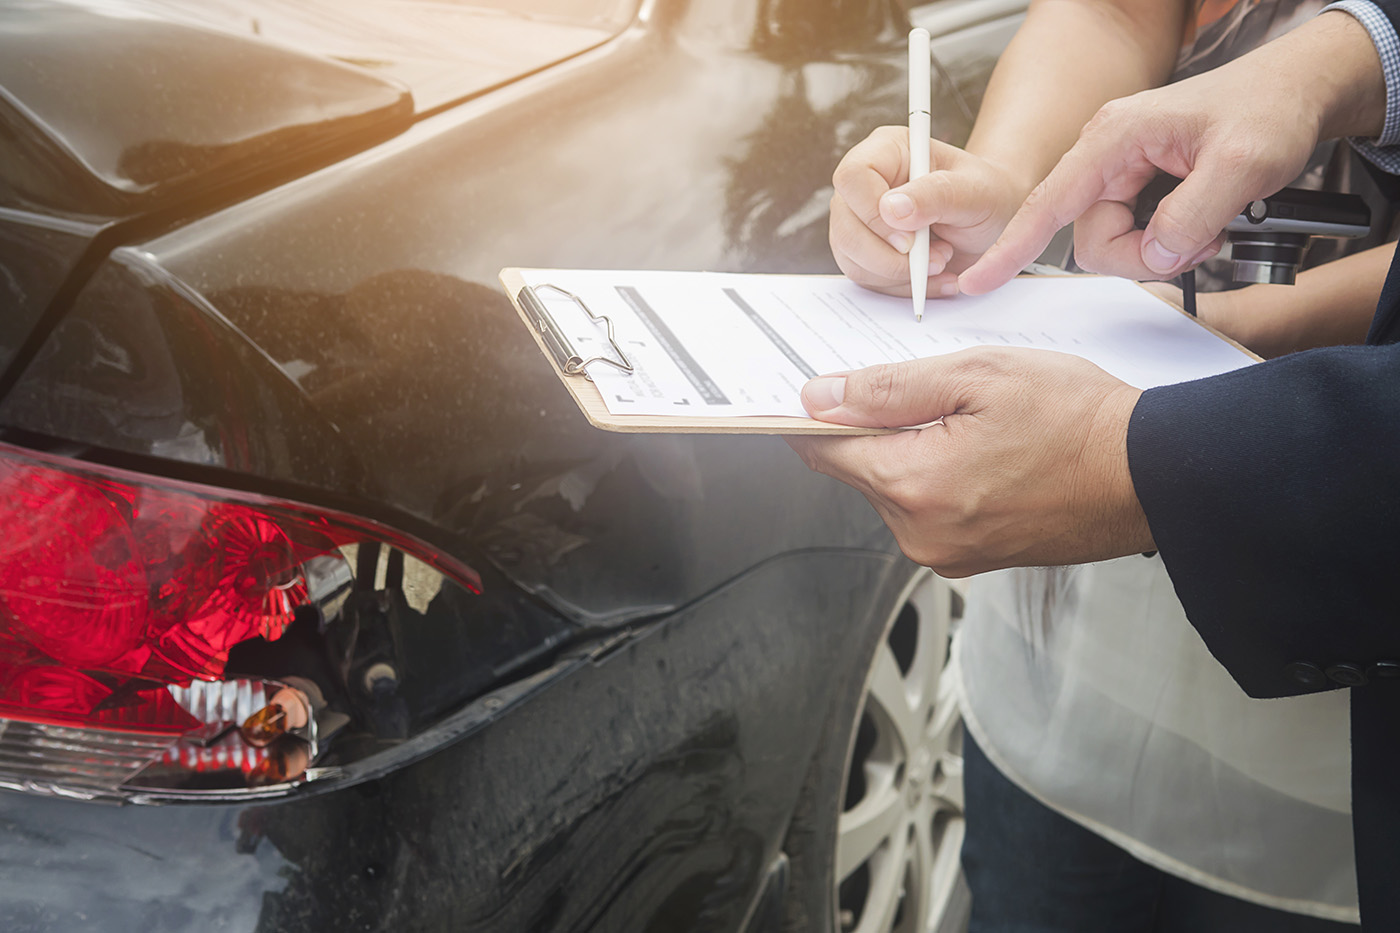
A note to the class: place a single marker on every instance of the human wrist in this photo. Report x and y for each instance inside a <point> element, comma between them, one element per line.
<point>1017,175</point>
<point>1260,318</point>
<point>1346,91</point>
<point>1229,312</point>
<point>1121,526</point>
<point>1010,183</point>
<point>1217,309</point>
<point>1020,178</point>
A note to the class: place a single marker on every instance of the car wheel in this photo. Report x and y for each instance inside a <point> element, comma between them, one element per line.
<point>876,837</point>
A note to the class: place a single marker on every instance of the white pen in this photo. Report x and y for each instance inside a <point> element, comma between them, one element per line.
<point>918,158</point>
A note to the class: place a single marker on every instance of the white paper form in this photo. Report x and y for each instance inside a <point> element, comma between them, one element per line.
<point>727,344</point>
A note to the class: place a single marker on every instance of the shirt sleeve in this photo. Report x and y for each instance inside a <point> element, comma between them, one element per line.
<point>1379,19</point>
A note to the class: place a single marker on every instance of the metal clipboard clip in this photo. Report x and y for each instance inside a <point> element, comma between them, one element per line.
<point>569,359</point>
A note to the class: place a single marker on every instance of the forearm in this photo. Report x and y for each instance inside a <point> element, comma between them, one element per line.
<point>1331,305</point>
<point>1076,55</point>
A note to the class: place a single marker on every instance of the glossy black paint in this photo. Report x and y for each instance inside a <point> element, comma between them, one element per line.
<point>446,52</point>
<point>39,254</point>
<point>663,613</point>
<point>113,116</point>
<point>660,817</point>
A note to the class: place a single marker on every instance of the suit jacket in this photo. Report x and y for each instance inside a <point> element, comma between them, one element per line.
<point>1273,494</point>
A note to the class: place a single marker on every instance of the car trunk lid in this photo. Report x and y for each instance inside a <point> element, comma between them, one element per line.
<point>112,119</point>
<point>113,115</point>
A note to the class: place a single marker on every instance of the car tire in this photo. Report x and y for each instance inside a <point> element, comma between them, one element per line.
<point>875,837</point>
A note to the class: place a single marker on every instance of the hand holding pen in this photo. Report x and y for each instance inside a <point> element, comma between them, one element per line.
<point>879,209</point>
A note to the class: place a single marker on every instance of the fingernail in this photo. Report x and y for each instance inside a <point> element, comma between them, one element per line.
<point>901,240</point>
<point>1158,259</point>
<point>948,289</point>
<point>898,205</point>
<point>825,392</point>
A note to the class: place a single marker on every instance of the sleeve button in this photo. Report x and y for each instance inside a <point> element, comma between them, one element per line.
<point>1306,673</point>
<point>1347,674</point>
<point>1384,670</point>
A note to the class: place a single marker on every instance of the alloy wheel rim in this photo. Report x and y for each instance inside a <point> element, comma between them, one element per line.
<point>900,829</point>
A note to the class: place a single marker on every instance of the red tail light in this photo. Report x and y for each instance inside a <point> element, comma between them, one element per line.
<point>118,591</point>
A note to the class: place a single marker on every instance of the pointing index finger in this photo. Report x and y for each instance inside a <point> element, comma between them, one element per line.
<point>1091,171</point>
<point>1057,201</point>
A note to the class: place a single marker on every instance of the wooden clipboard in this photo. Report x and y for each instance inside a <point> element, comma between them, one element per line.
<point>569,367</point>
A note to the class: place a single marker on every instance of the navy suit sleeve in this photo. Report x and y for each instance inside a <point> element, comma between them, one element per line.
<point>1273,494</point>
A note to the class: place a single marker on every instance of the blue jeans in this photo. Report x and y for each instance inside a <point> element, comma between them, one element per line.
<point>1031,870</point>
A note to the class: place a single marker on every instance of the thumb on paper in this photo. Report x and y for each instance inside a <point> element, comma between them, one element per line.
<point>891,395</point>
